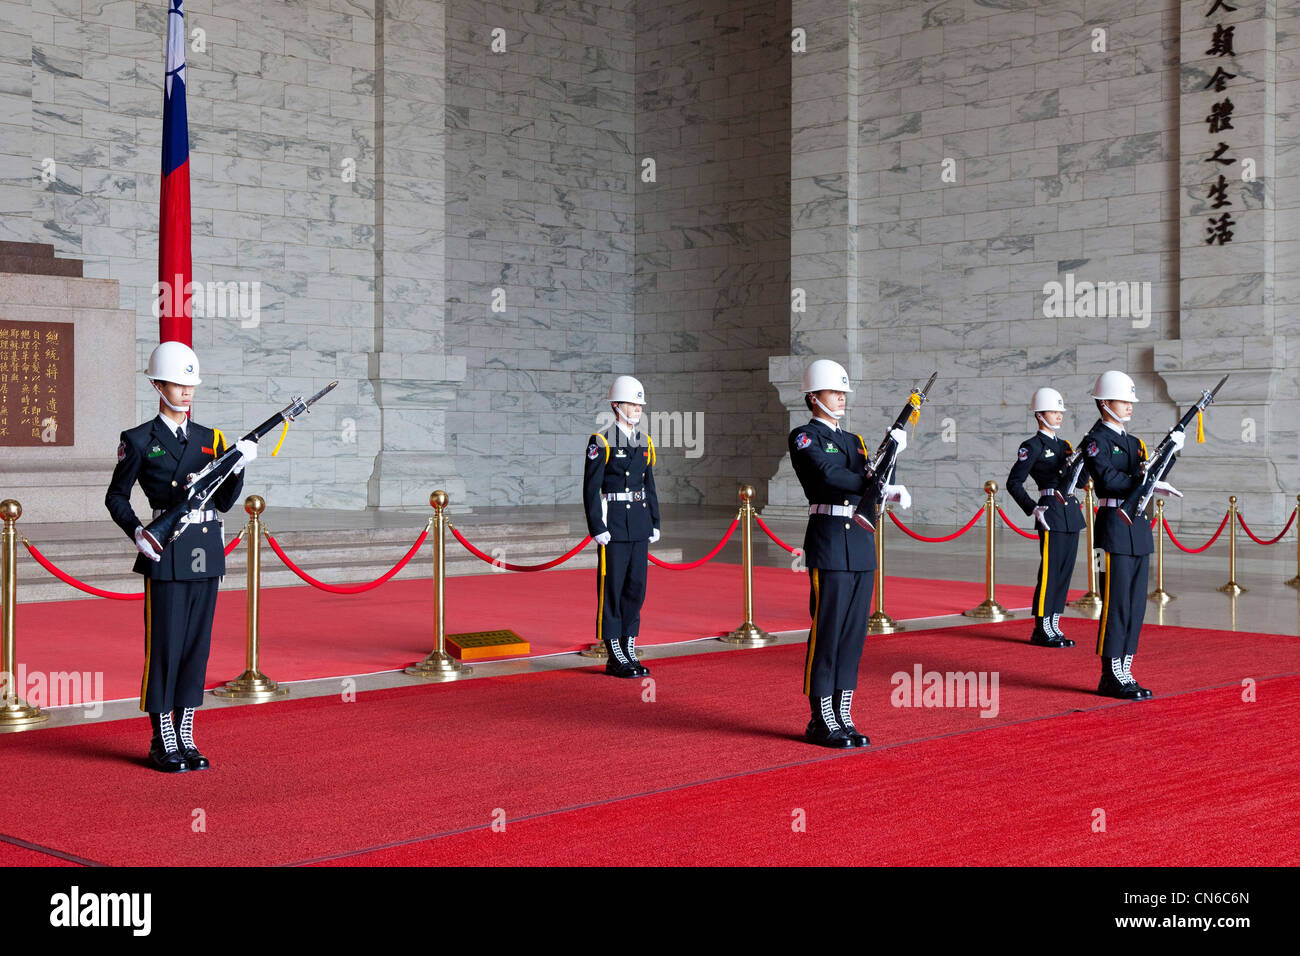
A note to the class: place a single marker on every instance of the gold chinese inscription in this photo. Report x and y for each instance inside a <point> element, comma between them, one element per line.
<point>36,383</point>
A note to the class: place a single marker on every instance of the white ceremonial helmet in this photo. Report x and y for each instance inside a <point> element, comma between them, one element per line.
<point>173,362</point>
<point>627,389</point>
<point>825,374</point>
<point>1047,400</point>
<point>1116,386</point>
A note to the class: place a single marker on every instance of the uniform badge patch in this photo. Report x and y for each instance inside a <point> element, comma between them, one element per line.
<point>1092,449</point>
<point>1023,454</point>
<point>592,451</point>
<point>802,441</point>
<point>1049,453</point>
<point>832,447</point>
<point>156,451</point>
<point>620,453</point>
<point>121,450</point>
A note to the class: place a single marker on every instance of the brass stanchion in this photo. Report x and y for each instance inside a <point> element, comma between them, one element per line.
<point>989,609</point>
<point>880,622</point>
<point>1090,602</point>
<point>598,651</point>
<point>15,713</point>
<point>1295,581</point>
<point>252,684</point>
<point>1160,595</point>
<point>1232,587</point>
<point>748,634</point>
<point>439,665</point>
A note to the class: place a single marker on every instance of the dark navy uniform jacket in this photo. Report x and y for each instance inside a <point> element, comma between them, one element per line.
<point>831,465</point>
<point>619,465</point>
<point>1114,462</point>
<point>1042,458</point>
<point>151,454</point>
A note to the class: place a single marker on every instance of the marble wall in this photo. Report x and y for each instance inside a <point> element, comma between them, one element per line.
<point>1062,129</point>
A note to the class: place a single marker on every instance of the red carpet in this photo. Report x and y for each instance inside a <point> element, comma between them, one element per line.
<point>308,633</point>
<point>310,779</point>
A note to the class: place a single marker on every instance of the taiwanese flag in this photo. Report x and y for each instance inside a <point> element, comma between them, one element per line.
<point>174,226</point>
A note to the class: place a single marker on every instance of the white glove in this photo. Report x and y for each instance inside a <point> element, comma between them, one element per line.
<point>900,438</point>
<point>145,547</point>
<point>1177,439</point>
<point>603,538</point>
<point>899,494</point>
<point>1166,489</point>
<point>1040,517</point>
<point>654,535</point>
<point>247,452</point>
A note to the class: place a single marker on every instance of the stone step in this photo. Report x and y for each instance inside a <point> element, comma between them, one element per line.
<point>39,265</point>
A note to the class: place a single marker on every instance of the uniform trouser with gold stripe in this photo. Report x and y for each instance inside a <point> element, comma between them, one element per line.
<point>1123,587</point>
<point>177,634</point>
<point>1056,554</point>
<point>621,582</point>
<point>839,603</point>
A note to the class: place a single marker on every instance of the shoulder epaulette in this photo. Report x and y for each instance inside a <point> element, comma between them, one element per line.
<point>652,450</point>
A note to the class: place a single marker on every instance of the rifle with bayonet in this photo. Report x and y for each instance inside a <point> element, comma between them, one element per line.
<point>886,458</point>
<point>202,485</point>
<point>1162,459</point>
<point>1071,472</point>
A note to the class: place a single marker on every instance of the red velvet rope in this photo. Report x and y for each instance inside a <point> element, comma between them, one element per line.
<point>79,585</point>
<point>1281,534</point>
<point>1016,528</point>
<point>520,567</point>
<point>948,537</point>
<point>704,560</point>
<point>770,534</point>
<point>346,588</point>
<point>1177,544</point>
<point>66,578</point>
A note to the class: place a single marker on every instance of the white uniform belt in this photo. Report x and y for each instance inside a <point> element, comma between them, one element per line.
<point>1109,502</point>
<point>195,516</point>
<point>839,511</point>
<point>625,496</point>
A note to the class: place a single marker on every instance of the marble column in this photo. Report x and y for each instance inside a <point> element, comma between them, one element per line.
<point>1227,117</point>
<point>824,184</point>
<point>414,379</point>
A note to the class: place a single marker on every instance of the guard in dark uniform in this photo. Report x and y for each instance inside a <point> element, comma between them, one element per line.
<point>831,465</point>
<point>1042,458</point>
<point>618,495</point>
<point>1116,460</point>
<point>180,584</point>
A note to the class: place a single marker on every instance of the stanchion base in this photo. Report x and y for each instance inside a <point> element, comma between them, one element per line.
<point>1233,588</point>
<point>440,666</point>
<point>1089,605</point>
<point>882,623</point>
<point>748,634</point>
<point>251,685</point>
<point>15,715</point>
<point>988,610</point>
<point>1160,596</point>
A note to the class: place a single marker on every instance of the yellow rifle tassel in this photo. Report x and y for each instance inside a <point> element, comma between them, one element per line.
<point>1200,427</point>
<point>284,431</point>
